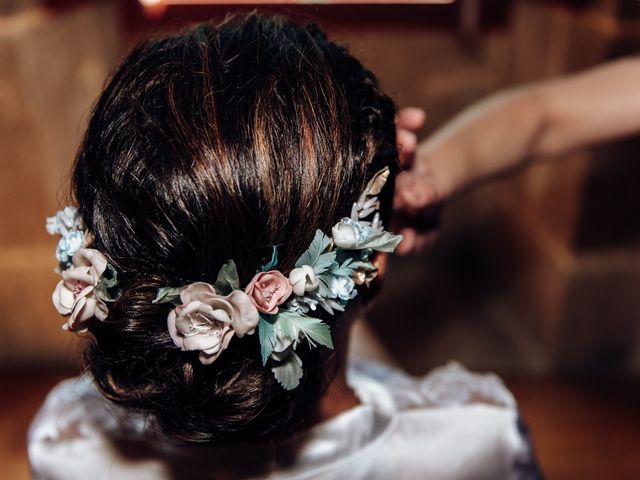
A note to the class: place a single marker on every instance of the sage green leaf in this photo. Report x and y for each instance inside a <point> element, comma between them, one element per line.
<point>267,337</point>
<point>107,288</point>
<point>382,242</point>
<point>362,265</point>
<point>344,270</point>
<point>324,290</point>
<point>324,262</point>
<point>273,263</point>
<point>227,280</point>
<point>315,256</point>
<point>314,329</point>
<point>167,294</point>
<point>289,372</point>
<point>109,277</point>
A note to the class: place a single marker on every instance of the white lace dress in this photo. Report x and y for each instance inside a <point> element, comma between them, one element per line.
<point>449,424</point>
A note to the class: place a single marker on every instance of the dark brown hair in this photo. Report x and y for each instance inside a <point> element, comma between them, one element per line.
<point>216,143</point>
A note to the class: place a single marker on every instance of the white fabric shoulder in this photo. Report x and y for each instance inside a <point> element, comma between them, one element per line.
<point>451,424</point>
<point>76,434</point>
<point>445,386</point>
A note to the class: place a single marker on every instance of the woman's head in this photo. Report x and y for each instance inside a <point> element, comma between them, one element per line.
<point>215,143</point>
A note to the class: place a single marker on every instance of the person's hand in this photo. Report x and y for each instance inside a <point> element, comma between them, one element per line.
<point>416,203</point>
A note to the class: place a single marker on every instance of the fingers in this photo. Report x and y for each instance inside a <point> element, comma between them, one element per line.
<point>406,246</point>
<point>415,242</point>
<point>414,192</point>
<point>407,142</point>
<point>408,121</point>
<point>411,118</point>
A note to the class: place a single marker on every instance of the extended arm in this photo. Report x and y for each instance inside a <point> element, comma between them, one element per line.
<point>509,129</point>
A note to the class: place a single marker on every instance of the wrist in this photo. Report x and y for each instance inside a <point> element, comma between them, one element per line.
<point>443,165</point>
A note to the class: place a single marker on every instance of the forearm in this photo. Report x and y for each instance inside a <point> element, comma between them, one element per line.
<point>600,104</point>
<point>491,136</point>
<point>506,130</point>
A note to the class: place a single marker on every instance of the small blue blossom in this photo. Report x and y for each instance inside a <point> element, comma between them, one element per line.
<point>64,222</point>
<point>68,245</point>
<point>342,288</point>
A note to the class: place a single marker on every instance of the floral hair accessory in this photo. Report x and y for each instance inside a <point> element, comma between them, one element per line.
<point>206,321</point>
<point>206,317</point>
<point>88,281</point>
<point>68,224</point>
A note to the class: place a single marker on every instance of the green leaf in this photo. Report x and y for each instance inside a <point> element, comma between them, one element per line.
<point>382,242</point>
<point>167,294</point>
<point>289,372</point>
<point>109,277</point>
<point>344,270</point>
<point>314,329</point>
<point>107,288</point>
<point>318,246</point>
<point>227,280</point>
<point>362,265</point>
<point>267,337</point>
<point>323,287</point>
<point>273,263</point>
<point>324,262</point>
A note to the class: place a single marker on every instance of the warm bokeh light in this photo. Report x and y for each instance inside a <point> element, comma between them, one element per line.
<point>156,3</point>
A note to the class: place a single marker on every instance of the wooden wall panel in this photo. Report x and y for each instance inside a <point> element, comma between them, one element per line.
<point>52,67</point>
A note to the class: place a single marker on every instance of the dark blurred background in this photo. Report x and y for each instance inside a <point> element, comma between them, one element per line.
<point>535,277</point>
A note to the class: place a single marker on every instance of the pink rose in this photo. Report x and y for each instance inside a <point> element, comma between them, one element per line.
<point>207,321</point>
<point>74,297</point>
<point>268,290</point>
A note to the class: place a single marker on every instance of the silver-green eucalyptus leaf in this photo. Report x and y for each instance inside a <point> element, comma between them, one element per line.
<point>273,263</point>
<point>227,280</point>
<point>167,294</point>
<point>289,372</point>
<point>382,242</point>
<point>316,255</point>
<point>314,329</point>
<point>267,337</point>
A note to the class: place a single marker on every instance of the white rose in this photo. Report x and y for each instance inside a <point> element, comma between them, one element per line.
<point>303,280</point>
<point>207,321</point>
<point>74,297</point>
<point>349,233</point>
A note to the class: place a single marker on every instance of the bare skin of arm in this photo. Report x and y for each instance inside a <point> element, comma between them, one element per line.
<point>510,129</point>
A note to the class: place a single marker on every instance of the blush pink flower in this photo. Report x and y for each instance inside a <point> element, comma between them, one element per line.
<point>207,321</point>
<point>268,290</point>
<point>74,297</point>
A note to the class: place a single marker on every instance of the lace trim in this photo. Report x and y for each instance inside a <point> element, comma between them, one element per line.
<point>74,409</point>
<point>452,384</point>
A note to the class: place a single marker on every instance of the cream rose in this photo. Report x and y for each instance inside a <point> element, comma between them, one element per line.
<point>303,279</point>
<point>207,321</point>
<point>349,233</point>
<point>74,297</point>
<point>268,290</point>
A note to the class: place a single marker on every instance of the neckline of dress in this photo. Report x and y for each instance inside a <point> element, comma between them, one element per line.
<point>351,433</point>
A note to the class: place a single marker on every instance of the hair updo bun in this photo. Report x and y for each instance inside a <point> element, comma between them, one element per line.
<point>216,143</point>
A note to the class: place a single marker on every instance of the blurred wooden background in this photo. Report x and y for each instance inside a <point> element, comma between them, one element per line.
<point>535,275</point>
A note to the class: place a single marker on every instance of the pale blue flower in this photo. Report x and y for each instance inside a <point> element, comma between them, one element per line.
<point>342,288</point>
<point>68,245</point>
<point>64,222</point>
